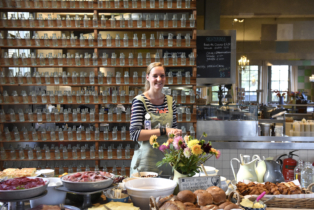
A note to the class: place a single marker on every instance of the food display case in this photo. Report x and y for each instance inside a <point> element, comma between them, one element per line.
<point>232,120</point>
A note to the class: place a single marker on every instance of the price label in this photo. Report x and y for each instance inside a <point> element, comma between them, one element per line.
<point>198,183</point>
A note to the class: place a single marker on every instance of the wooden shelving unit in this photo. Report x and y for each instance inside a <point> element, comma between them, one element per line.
<point>94,8</point>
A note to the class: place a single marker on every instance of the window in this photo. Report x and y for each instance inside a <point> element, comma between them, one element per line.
<point>278,80</point>
<point>215,90</point>
<point>249,80</point>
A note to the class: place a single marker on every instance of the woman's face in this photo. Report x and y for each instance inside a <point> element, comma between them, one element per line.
<point>156,78</point>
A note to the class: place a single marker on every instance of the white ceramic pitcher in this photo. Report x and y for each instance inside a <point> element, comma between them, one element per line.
<point>246,171</point>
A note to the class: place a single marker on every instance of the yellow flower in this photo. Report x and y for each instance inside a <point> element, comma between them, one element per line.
<point>166,144</point>
<point>196,149</point>
<point>213,150</point>
<point>155,145</point>
<point>152,139</point>
<point>192,143</point>
<point>186,139</point>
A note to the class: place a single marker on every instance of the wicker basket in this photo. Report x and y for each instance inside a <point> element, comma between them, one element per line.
<point>292,203</point>
<point>153,205</point>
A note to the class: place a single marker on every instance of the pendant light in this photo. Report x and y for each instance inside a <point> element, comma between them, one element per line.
<point>243,62</point>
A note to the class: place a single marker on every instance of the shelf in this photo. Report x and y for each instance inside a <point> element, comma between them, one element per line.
<point>24,82</point>
<point>113,158</point>
<point>91,100</point>
<point>77,45</point>
<point>28,63</point>
<point>114,120</point>
<point>95,6</point>
<point>65,134</point>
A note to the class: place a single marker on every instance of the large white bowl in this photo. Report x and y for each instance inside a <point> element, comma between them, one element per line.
<point>135,175</point>
<point>140,190</point>
<point>53,197</point>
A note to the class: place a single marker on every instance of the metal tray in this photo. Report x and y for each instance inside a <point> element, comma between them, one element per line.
<point>24,194</point>
<point>86,186</point>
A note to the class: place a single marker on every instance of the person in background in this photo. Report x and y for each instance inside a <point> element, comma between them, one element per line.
<point>153,113</point>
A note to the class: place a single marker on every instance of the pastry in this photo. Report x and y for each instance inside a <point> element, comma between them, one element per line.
<point>219,196</point>
<point>223,205</point>
<point>186,196</point>
<point>172,205</point>
<point>209,207</point>
<point>163,200</point>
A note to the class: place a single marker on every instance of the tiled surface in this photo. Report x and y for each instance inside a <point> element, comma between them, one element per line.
<point>223,163</point>
<point>304,85</point>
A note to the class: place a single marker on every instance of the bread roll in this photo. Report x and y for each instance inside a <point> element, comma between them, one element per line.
<point>172,205</point>
<point>219,196</point>
<point>203,198</point>
<point>231,206</point>
<point>186,196</point>
<point>189,205</point>
<point>209,207</point>
<point>223,205</point>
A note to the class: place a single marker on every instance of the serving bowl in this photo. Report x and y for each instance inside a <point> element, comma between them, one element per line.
<point>53,197</point>
<point>86,186</point>
<point>24,193</point>
<point>140,190</point>
<point>47,172</point>
<point>135,175</point>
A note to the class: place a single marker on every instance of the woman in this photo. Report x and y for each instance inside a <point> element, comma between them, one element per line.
<point>161,111</point>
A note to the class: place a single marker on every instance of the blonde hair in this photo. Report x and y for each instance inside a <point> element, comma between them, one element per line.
<point>148,70</point>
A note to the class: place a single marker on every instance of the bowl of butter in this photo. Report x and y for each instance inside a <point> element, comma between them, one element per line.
<point>248,205</point>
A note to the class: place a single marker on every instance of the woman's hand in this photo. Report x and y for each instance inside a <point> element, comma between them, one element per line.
<point>176,132</point>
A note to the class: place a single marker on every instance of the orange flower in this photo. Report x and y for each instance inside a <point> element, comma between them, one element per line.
<point>196,149</point>
<point>170,141</point>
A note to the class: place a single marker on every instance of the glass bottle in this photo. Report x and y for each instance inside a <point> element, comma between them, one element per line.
<point>57,153</point>
<point>110,118</point>
<point>7,134</point>
<point>174,59</point>
<point>183,62</point>
<point>307,175</point>
<point>60,59</point>
<point>123,133</point>
<point>82,40</point>
<point>90,40</point>
<point>157,59</point>
<point>52,135</point>
<point>134,3</point>
<point>166,59</point>
<point>161,3</point>
<point>86,60</point>
<point>68,21</point>
<point>135,77</point>
<point>103,21</point>
<point>74,153</point>
<point>116,3</point>
<point>169,3</point>
<point>192,132</point>
<point>109,80</point>
<point>187,3</point>
<point>122,21</point>
<point>38,153</point>
<point>179,115</point>
<point>16,134</point>
<point>125,4</point>
<point>187,40</point>
<point>139,21</point>
<point>70,134</point>
<point>83,155</point>
<point>170,78</point>
<point>21,154</point>
<point>104,96</point>
<point>95,21</point>
<point>128,111</point>
<point>183,97</point>
<point>192,96</point>
<point>109,152</point>
<point>174,21</point>
<point>192,59</point>
<point>13,20</point>
<point>99,41</point>
<point>143,4</point>
<point>152,40</point>
<point>95,63</point>
<point>122,63</point>
<point>297,170</point>
<point>85,21</point>
<point>65,153</point>
<point>100,152</point>
<point>148,59</point>
<point>152,4</point>
<point>130,21</point>
<point>106,134</point>
<point>178,40</point>
<point>112,21</point>
<point>179,4</point>
<point>47,153</point>
<point>127,151</point>
<point>92,152</point>
<point>105,59</point>
<point>77,21</point>
<point>192,21</point>
<point>119,152</point>
<point>113,59</point>
<point>170,40</point>
<point>188,114</point>
<point>148,21</point>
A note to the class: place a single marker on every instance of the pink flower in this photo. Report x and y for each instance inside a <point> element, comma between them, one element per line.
<point>177,142</point>
<point>163,148</point>
<point>187,152</point>
<point>218,154</point>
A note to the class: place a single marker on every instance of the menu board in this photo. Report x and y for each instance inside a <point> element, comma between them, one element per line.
<point>213,56</point>
<point>198,183</point>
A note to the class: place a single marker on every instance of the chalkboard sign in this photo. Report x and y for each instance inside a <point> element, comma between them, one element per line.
<point>213,56</point>
<point>198,183</point>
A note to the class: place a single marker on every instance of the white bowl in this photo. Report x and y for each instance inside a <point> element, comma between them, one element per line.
<point>53,197</point>
<point>135,175</point>
<point>140,190</point>
<point>47,172</point>
<point>209,170</point>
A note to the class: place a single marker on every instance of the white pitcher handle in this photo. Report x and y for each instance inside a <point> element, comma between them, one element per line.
<point>257,156</point>
<point>235,178</point>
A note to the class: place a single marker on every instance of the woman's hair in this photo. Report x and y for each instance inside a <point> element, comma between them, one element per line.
<point>149,68</point>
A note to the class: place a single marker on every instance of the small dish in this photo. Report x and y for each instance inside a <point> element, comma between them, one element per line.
<point>249,208</point>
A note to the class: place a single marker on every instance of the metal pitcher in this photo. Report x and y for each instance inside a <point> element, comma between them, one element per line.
<point>273,172</point>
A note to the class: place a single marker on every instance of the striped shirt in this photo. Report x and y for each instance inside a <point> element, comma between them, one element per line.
<point>138,112</point>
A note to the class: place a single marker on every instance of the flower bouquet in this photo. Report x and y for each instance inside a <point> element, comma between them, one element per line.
<point>278,94</point>
<point>185,154</point>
